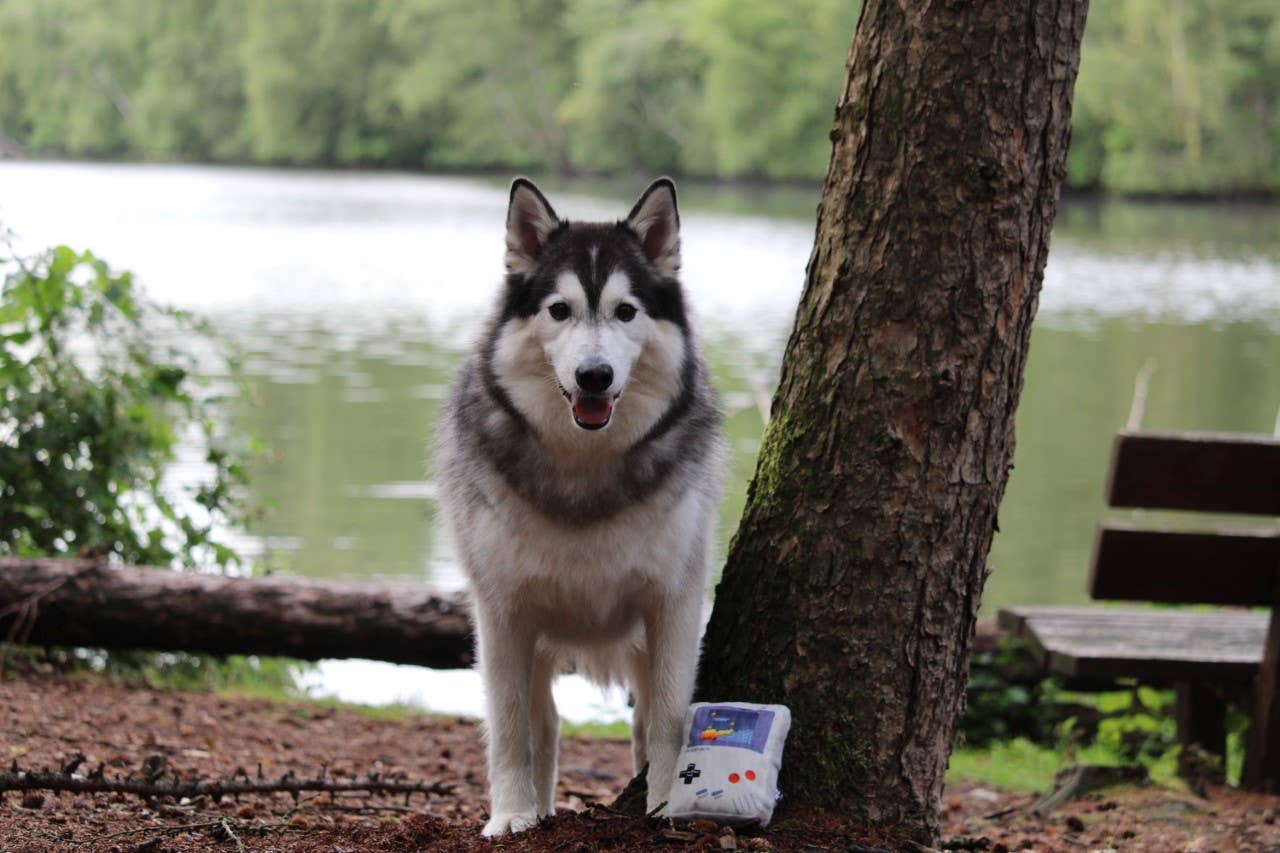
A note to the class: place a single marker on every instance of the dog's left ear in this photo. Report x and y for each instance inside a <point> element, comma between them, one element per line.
<point>656,222</point>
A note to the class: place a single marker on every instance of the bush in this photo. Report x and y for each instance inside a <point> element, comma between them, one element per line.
<point>98,385</point>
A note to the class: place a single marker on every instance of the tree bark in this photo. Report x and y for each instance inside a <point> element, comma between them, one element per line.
<point>852,586</point>
<point>85,603</point>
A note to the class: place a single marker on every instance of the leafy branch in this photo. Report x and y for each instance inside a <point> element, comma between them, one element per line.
<point>98,385</point>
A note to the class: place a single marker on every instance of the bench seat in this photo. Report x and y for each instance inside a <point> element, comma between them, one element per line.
<point>1212,657</point>
<point>1092,647</point>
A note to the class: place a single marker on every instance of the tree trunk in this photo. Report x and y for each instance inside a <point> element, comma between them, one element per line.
<point>84,603</point>
<point>853,584</point>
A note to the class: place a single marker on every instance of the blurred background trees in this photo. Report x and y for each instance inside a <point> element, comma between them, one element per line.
<point>1175,96</point>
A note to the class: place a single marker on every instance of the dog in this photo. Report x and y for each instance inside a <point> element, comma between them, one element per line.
<point>580,462</point>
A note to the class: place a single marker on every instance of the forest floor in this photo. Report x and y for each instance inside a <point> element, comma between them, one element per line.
<point>45,719</point>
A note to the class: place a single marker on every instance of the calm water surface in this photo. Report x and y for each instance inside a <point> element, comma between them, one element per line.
<point>353,297</point>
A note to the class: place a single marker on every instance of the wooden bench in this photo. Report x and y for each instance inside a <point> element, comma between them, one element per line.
<point>1211,657</point>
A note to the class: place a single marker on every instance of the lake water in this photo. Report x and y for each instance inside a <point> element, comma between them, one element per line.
<point>354,295</point>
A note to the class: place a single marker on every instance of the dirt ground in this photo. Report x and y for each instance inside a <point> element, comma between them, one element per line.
<point>45,719</point>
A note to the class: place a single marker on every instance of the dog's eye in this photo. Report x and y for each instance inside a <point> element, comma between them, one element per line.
<point>559,311</point>
<point>626,313</point>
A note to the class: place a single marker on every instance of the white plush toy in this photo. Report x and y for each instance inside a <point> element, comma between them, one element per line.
<point>728,766</point>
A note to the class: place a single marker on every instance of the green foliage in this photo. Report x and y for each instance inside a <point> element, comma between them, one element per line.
<point>68,69</point>
<point>190,99</point>
<point>635,101</point>
<point>99,385</point>
<point>95,392</point>
<point>773,76</point>
<point>1180,96</point>
<point>316,83</point>
<point>1018,764</point>
<point>1017,735</point>
<point>262,677</point>
<point>620,730</point>
<point>998,706</point>
<point>492,74</point>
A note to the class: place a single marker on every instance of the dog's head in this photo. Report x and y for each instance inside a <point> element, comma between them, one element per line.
<point>592,313</point>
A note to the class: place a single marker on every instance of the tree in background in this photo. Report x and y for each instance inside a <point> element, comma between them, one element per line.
<point>492,75</point>
<point>317,83</point>
<point>1176,96</point>
<point>190,98</point>
<point>1180,96</point>
<point>769,82</point>
<point>69,69</point>
<point>853,583</point>
<point>634,100</point>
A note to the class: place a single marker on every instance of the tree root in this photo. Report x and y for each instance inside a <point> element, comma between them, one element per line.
<point>1077,781</point>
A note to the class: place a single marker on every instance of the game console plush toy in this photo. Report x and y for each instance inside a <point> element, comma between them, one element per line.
<point>728,765</point>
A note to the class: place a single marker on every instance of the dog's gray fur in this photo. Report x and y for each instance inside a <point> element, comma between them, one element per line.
<point>583,515</point>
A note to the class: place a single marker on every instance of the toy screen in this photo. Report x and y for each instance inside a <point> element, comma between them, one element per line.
<point>725,725</point>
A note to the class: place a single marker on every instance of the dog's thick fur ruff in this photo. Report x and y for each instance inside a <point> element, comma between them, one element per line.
<point>583,513</point>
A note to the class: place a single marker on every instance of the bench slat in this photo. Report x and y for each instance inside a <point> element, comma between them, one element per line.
<point>1206,472</point>
<point>1236,568</point>
<point>1097,645</point>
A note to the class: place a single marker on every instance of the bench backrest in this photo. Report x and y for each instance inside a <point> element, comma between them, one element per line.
<point>1194,472</point>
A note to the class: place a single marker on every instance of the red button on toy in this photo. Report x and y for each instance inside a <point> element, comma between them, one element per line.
<point>733,778</point>
<point>751,775</point>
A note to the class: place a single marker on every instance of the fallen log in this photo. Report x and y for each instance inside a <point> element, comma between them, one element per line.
<point>87,603</point>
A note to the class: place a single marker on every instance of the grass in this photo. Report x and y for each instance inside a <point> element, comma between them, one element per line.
<point>1019,764</point>
<point>620,730</point>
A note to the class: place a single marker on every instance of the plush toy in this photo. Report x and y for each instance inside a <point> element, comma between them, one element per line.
<point>728,765</point>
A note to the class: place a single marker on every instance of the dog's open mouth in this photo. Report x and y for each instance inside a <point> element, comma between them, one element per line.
<point>591,411</point>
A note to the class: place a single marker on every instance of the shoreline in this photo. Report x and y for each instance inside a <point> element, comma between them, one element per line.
<point>748,183</point>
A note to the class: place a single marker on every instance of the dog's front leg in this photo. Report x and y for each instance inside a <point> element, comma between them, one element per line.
<point>506,662</point>
<point>671,637</point>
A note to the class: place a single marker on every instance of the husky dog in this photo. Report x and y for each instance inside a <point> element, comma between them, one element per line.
<point>580,462</point>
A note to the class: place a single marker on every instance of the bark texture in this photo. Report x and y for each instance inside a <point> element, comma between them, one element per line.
<point>853,584</point>
<point>84,603</point>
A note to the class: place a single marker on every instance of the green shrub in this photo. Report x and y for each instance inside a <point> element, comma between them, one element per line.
<point>96,386</point>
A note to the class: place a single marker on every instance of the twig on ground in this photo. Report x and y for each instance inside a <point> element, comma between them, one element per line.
<point>1007,810</point>
<point>162,830</point>
<point>222,824</point>
<point>153,783</point>
<point>370,807</point>
<point>659,807</point>
<point>226,827</point>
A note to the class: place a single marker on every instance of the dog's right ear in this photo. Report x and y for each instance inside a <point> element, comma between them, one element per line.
<point>530,220</point>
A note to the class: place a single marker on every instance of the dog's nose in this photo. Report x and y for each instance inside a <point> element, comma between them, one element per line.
<point>594,378</point>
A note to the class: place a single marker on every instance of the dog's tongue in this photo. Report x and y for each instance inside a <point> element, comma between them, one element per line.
<point>592,410</point>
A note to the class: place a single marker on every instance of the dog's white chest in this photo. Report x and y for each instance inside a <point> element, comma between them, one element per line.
<point>585,584</point>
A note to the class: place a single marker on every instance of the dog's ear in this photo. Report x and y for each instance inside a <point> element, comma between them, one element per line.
<point>530,220</point>
<point>656,222</point>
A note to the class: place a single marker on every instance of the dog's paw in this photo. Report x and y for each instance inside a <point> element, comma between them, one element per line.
<point>509,822</point>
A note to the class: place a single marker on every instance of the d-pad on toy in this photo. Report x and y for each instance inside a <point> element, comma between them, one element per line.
<point>689,774</point>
